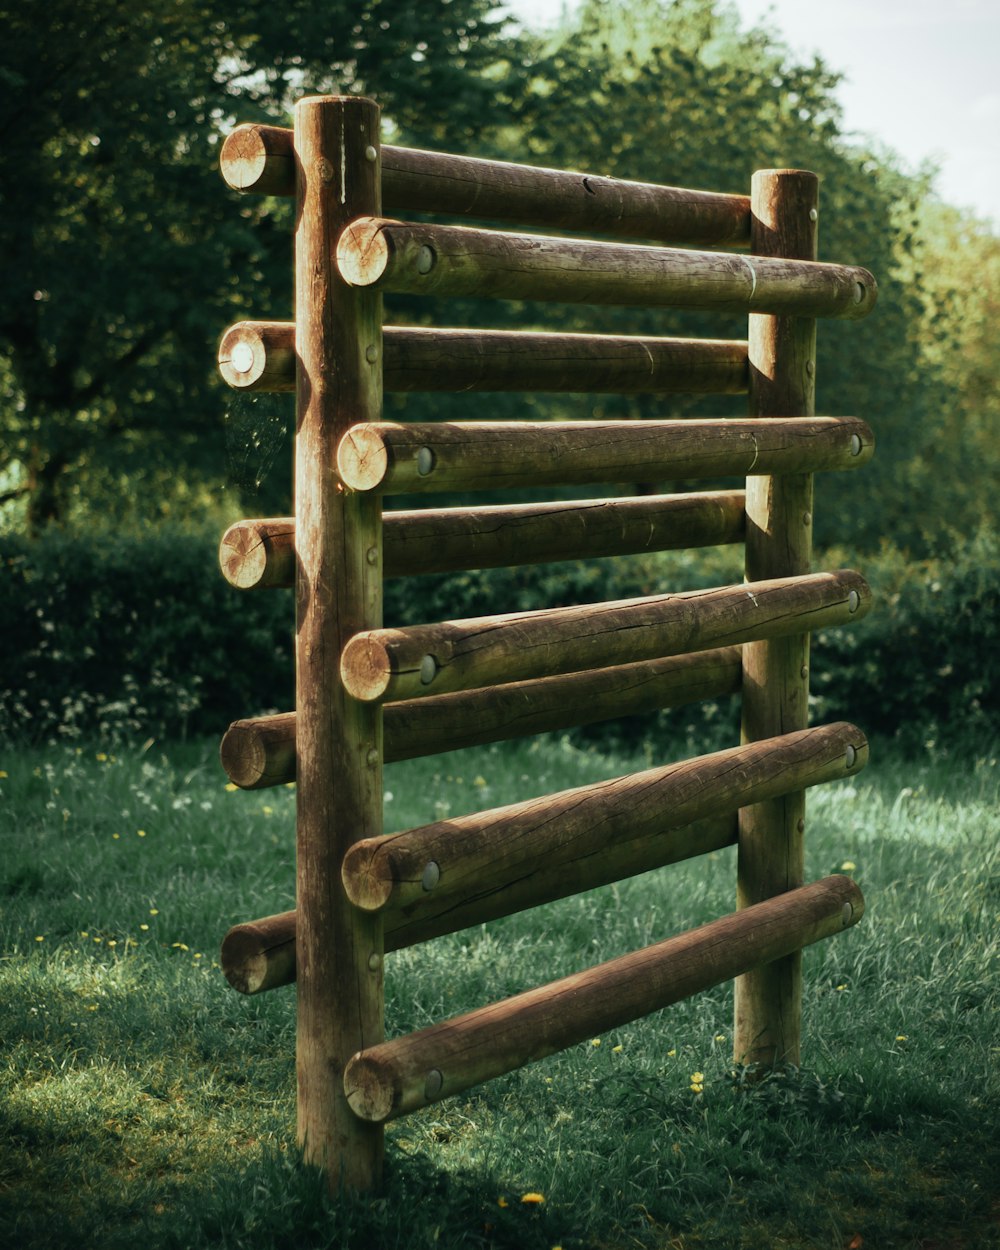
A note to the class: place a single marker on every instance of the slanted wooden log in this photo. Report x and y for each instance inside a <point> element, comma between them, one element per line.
<point>397,1077</point>
<point>339,1000</point>
<point>259,356</point>
<point>256,554</point>
<point>459,859</point>
<point>389,664</point>
<point>260,158</point>
<point>260,955</point>
<point>420,259</point>
<point>492,455</point>
<point>260,752</point>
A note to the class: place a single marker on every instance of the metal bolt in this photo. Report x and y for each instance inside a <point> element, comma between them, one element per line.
<point>814,214</point>
<point>324,169</point>
<point>801,826</point>
<point>433,1084</point>
<point>431,876</point>
<point>428,670</point>
<point>371,759</point>
<point>241,357</point>
<point>425,461</point>
<point>371,555</point>
<point>856,444</point>
<point>851,756</point>
<point>810,367</point>
<point>374,962</point>
<point>804,671</point>
<point>370,154</point>
<point>847,913</point>
<point>853,601</point>
<point>371,354</point>
<point>807,518</point>
<point>425,259</point>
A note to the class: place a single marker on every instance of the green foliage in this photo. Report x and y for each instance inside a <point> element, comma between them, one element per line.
<point>125,635</point>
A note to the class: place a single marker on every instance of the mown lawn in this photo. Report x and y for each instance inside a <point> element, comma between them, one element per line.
<point>145,1103</point>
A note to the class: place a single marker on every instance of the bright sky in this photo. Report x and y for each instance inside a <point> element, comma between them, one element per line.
<point>921,76</point>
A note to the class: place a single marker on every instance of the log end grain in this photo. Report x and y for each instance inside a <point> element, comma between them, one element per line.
<point>259,159</point>
<point>242,555</point>
<point>363,458</point>
<point>365,668</point>
<point>363,252</point>
<point>367,876</point>
<point>370,1089</point>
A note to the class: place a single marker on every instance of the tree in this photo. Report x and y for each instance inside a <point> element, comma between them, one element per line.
<point>129,256</point>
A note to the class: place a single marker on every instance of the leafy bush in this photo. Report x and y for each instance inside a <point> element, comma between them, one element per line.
<point>126,635</point>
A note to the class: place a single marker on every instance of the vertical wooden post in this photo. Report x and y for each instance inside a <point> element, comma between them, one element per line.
<point>768,1001</point>
<point>338,343</point>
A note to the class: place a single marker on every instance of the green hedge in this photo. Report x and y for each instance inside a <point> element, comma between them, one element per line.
<point>131,635</point>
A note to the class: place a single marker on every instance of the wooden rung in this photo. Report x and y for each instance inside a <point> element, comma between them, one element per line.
<point>260,752</point>
<point>394,1078</point>
<point>384,665</point>
<point>420,259</point>
<point>422,457</point>
<point>260,158</point>
<point>436,866</point>
<point>261,553</point>
<point>260,356</point>
<point>260,955</point>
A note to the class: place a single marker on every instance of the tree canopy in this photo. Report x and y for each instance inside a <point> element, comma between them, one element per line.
<point>130,257</point>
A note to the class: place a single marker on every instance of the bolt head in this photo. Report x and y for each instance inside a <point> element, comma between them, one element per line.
<point>425,259</point>
<point>431,876</point>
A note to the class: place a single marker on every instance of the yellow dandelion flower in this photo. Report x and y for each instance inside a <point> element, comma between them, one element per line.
<point>84,933</point>
<point>231,786</point>
<point>616,1050</point>
<point>268,811</point>
<point>720,1037</point>
<point>480,781</point>
<point>671,1054</point>
<point>140,833</point>
<point>841,987</point>
<point>697,1077</point>
<point>902,1037</point>
<point>697,1088</point>
<point>39,939</point>
<point>112,942</point>
<point>154,911</point>
<point>848,865</point>
<point>502,1202</point>
<point>101,757</point>
<point>3,774</point>
<point>179,946</point>
<point>144,927</point>
<point>595,1041</point>
<point>116,836</point>
<point>532,1200</point>
<point>289,785</point>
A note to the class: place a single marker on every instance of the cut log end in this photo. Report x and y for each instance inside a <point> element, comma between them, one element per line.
<point>365,668</point>
<point>369,1089</point>
<point>367,876</point>
<point>242,358</point>
<point>243,755</point>
<point>362,252</point>
<point>260,955</point>
<point>259,159</point>
<point>242,555</point>
<point>363,458</point>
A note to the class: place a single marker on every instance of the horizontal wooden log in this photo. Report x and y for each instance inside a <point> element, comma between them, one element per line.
<point>256,554</point>
<point>459,859</point>
<point>260,955</point>
<point>416,259</point>
<point>384,665</point>
<point>396,1077</point>
<point>260,356</point>
<point>422,457</point>
<point>259,158</point>
<point>260,752</point>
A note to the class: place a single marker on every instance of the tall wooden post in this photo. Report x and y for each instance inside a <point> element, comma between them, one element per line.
<point>768,1001</point>
<point>338,344</point>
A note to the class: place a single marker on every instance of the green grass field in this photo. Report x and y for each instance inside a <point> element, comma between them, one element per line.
<point>143,1103</point>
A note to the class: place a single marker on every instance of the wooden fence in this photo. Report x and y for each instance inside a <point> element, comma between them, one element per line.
<point>367,694</point>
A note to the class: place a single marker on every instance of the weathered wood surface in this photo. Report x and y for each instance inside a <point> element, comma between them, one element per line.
<point>409,1072</point>
<point>259,356</point>
<point>418,259</point>
<point>768,1001</point>
<point>418,458</point>
<point>404,663</point>
<point>338,592</point>
<point>261,553</point>
<point>260,752</point>
<point>260,158</point>
<point>260,955</point>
